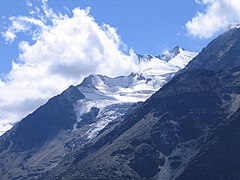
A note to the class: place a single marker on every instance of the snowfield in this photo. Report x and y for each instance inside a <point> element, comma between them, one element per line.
<point>103,92</point>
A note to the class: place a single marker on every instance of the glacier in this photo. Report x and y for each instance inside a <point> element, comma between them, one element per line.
<point>110,94</point>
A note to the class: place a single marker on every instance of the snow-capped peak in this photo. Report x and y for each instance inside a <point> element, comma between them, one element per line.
<point>137,86</point>
<point>166,56</point>
<point>103,92</point>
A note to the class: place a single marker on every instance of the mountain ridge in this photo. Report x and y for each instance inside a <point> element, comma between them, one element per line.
<point>175,133</point>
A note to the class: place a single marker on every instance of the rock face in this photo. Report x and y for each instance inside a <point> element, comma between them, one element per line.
<point>219,157</point>
<point>221,53</point>
<point>189,129</point>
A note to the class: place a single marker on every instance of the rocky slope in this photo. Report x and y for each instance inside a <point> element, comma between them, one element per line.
<point>189,129</point>
<point>221,53</point>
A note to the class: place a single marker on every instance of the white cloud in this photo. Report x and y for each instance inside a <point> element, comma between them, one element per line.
<point>218,15</point>
<point>29,3</point>
<point>5,125</point>
<point>9,36</point>
<point>66,48</point>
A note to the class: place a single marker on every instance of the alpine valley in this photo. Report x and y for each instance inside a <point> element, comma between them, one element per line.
<point>178,118</point>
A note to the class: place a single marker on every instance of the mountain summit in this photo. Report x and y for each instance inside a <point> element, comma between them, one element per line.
<point>166,56</point>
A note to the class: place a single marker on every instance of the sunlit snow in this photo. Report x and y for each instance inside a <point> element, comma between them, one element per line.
<point>102,91</point>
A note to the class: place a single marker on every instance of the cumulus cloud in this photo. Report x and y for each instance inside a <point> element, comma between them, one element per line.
<point>217,16</point>
<point>63,50</point>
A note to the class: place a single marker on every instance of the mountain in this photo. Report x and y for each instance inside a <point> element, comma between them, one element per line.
<point>189,129</point>
<point>111,97</point>
<point>221,53</point>
<point>31,145</point>
<point>78,116</point>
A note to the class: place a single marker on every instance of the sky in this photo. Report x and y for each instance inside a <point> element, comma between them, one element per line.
<point>147,26</point>
<point>47,45</point>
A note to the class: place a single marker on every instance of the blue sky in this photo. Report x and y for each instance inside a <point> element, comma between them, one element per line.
<point>147,26</point>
